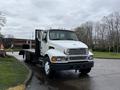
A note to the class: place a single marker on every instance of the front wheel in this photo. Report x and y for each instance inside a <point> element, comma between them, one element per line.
<point>47,68</point>
<point>85,71</point>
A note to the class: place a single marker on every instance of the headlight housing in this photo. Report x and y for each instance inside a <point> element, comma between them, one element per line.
<point>55,59</point>
<point>61,58</point>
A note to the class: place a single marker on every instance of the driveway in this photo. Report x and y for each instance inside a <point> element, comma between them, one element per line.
<point>16,55</point>
<point>104,76</point>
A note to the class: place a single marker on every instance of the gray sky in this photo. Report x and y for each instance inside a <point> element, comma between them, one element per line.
<point>23,16</point>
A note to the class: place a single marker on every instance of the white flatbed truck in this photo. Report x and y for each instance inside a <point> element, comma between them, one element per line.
<point>57,49</point>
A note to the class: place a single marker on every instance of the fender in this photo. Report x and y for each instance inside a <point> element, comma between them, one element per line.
<point>90,53</point>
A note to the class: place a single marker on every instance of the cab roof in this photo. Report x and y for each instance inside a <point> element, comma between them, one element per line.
<point>54,29</point>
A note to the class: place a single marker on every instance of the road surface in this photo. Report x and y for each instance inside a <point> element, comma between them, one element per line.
<point>104,76</point>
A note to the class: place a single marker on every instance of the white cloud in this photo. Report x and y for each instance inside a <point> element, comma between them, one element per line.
<point>23,16</point>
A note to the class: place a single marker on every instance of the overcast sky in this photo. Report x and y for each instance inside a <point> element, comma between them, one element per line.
<point>23,16</point>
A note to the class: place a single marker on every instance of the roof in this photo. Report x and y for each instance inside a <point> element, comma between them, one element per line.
<point>54,29</point>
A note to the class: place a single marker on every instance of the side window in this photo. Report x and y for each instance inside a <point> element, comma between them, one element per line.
<point>52,35</point>
<point>39,36</point>
<point>44,36</point>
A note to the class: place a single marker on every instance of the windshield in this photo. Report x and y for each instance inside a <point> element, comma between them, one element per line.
<point>62,35</point>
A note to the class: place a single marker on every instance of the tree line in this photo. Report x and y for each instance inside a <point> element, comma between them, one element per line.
<point>103,35</point>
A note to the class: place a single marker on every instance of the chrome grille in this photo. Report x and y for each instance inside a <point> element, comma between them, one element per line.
<point>78,51</point>
<point>78,57</point>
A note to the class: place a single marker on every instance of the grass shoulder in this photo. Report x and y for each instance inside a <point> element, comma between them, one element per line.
<point>12,72</point>
<point>15,49</point>
<point>106,55</point>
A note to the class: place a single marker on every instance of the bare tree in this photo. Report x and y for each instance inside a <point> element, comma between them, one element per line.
<point>103,35</point>
<point>100,36</point>
<point>117,30</point>
<point>113,25</point>
<point>9,36</point>
<point>84,33</point>
<point>2,20</point>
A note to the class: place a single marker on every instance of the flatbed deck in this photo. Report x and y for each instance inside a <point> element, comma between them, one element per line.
<point>30,50</point>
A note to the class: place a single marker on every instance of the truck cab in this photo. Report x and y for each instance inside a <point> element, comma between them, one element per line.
<point>61,50</point>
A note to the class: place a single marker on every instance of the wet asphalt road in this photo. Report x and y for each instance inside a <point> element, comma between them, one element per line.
<point>104,76</point>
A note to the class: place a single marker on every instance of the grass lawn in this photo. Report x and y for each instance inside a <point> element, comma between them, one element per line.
<point>12,72</point>
<point>106,55</point>
<point>15,49</point>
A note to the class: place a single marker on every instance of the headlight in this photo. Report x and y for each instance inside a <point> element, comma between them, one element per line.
<point>54,59</point>
<point>61,58</point>
<point>66,51</point>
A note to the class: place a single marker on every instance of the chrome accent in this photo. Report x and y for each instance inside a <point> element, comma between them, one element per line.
<point>78,51</point>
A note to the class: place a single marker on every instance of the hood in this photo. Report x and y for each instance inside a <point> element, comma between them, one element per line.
<point>69,44</point>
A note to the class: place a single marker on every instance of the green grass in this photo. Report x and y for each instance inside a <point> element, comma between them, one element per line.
<point>12,72</point>
<point>106,55</point>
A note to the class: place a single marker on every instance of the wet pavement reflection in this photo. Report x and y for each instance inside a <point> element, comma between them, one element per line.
<point>104,76</point>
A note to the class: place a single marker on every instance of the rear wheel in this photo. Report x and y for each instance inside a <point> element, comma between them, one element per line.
<point>85,71</point>
<point>27,57</point>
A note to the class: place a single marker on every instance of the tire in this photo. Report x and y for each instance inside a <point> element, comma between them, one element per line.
<point>26,58</point>
<point>85,71</point>
<point>47,68</point>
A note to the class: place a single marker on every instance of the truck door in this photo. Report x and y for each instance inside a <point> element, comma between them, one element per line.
<point>44,44</point>
<point>38,39</point>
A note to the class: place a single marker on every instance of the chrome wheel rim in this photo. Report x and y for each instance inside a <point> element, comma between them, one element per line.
<point>47,68</point>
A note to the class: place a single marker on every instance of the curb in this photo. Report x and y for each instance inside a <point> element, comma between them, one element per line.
<point>27,80</point>
<point>29,77</point>
<point>19,87</point>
